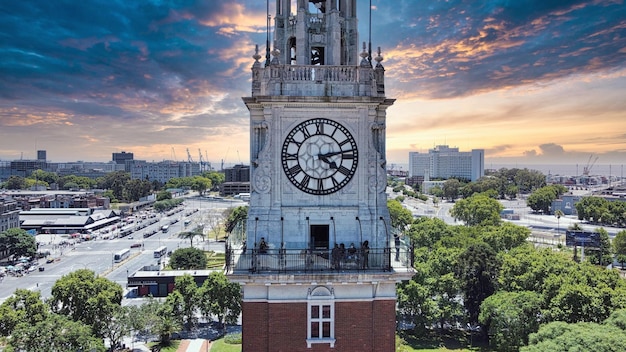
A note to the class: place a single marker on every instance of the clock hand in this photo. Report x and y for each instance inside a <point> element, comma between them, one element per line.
<point>323,158</point>
<point>333,153</point>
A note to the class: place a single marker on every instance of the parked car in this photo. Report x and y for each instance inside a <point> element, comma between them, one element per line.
<point>135,245</point>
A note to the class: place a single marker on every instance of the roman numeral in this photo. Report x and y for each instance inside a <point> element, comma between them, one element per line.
<point>320,184</point>
<point>345,141</point>
<point>305,132</point>
<point>335,182</point>
<point>344,170</point>
<point>295,169</point>
<point>305,181</point>
<point>291,157</point>
<point>347,156</point>
<point>319,128</point>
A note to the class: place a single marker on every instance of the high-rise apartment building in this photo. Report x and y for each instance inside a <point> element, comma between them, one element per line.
<point>445,162</point>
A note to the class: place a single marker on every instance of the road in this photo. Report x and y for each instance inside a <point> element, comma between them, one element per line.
<point>97,255</point>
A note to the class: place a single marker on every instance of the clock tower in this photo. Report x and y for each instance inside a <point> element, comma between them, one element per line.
<point>317,262</point>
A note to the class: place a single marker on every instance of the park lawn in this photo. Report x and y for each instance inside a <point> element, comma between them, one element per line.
<point>215,260</point>
<point>171,348</point>
<point>221,346</point>
<point>436,343</point>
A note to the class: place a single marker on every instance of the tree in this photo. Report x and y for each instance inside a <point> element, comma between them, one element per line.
<point>85,297</point>
<point>159,319</point>
<point>188,259</point>
<point>506,236</point>
<point>604,254</point>
<point>478,209</point>
<point>476,272</point>
<point>115,181</point>
<point>562,337</point>
<point>217,178</point>
<point>187,288</point>
<point>24,306</point>
<point>164,195</point>
<point>44,176</point>
<point>541,199</point>
<point>15,182</point>
<point>221,298</point>
<point>415,300</point>
<point>200,184</point>
<point>237,217</point>
<point>510,317</point>
<point>190,235</point>
<point>400,216</point>
<point>619,244</point>
<point>57,333</point>
<point>18,243</point>
<point>117,326</point>
<point>451,189</point>
<point>136,189</point>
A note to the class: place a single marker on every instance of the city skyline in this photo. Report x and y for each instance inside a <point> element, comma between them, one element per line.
<point>531,82</point>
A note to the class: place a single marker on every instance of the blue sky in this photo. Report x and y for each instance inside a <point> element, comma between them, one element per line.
<point>530,82</point>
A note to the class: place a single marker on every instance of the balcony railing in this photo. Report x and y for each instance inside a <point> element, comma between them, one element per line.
<point>315,261</point>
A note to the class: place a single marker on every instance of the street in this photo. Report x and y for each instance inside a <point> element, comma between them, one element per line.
<point>97,255</point>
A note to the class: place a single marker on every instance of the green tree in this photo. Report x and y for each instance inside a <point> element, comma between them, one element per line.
<point>400,216</point>
<point>187,287</point>
<point>164,195</point>
<point>85,297</point>
<point>44,176</point>
<point>18,243</point>
<point>117,326</point>
<point>476,271</point>
<point>510,317</point>
<point>221,298</point>
<point>415,300</point>
<point>115,181</point>
<point>541,199</point>
<point>188,259</point>
<point>603,255</point>
<point>563,337</point>
<point>200,184</point>
<point>478,209</point>
<point>136,189</point>
<point>57,333</point>
<point>217,178</point>
<point>237,217</point>
<point>190,235</point>
<point>451,189</point>
<point>529,180</point>
<point>24,306</point>
<point>15,182</point>
<point>159,319</point>
<point>505,237</point>
<point>511,191</point>
<point>619,244</point>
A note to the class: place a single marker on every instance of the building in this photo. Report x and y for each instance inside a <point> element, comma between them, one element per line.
<point>122,158</point>
<point>315,263</point>
<point>9,214</point>
<point>236,180</point>
<point>443,162</point>
<point>161,171</point>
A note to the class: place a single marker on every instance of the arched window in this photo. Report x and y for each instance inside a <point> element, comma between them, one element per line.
<point>321,316</point>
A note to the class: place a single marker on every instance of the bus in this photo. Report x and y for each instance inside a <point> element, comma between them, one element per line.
<point>121,255</point>
<point>165,228</point>
<point>160,252</point>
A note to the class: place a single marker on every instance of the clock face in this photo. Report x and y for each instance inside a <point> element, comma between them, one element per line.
<point>319,156</point>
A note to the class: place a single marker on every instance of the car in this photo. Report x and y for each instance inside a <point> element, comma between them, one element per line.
<point>50,260</point>
<point>135,245</point>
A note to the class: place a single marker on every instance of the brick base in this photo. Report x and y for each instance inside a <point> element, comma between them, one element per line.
<point>359,326</point>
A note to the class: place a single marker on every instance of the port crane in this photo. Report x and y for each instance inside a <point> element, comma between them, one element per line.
<point>590,163</point>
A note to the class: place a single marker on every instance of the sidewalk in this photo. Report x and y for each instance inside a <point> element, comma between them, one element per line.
<point>196,345</point>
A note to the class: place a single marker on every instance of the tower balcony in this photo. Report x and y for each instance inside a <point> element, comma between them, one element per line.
<point>318,81</point>
<point>318,261</point>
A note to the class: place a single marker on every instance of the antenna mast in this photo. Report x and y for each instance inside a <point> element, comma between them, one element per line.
<point>267,40</point>
<point>369,49</point>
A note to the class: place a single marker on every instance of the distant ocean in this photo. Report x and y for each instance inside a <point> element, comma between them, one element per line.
<point>564,169</point>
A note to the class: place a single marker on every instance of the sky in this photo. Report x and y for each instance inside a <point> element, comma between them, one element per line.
<point>528,81</point>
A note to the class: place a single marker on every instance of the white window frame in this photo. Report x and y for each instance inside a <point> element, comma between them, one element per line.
<point>318,298</point>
